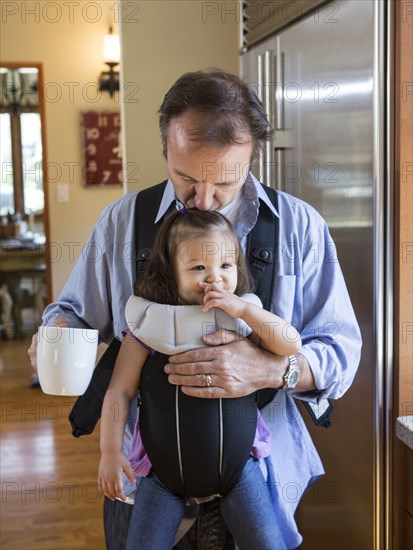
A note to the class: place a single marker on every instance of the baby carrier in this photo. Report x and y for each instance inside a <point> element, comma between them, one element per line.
<point>197,447</point>
<point>261,255</point>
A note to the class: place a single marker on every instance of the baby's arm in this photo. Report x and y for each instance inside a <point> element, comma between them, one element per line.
<point>272,332</point>
<point>123,385</point>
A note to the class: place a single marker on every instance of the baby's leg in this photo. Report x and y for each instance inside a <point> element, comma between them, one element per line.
<point>249,514</point>
<point>156,516</point>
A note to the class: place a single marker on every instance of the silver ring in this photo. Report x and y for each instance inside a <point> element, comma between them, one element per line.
<point>208,380</point>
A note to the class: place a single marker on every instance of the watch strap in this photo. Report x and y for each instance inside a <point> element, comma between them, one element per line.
<point>291,375</point>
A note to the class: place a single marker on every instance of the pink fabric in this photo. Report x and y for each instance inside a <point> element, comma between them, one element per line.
<point>261,446</point>
<point>141,464</point>
<point>139,460</point>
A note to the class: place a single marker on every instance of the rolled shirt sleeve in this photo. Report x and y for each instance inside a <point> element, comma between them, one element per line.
<point>101,281</point>
<point>313,294</point>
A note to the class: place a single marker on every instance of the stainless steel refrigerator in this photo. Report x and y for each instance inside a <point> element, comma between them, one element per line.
<point>323,81</point>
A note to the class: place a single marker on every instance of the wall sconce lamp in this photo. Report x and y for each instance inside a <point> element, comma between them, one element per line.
<point>109,80</point>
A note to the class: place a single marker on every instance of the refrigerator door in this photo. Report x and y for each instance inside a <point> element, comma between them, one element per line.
<point>323,102</point>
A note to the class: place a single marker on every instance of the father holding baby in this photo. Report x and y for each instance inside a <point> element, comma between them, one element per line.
<point>213,127</point>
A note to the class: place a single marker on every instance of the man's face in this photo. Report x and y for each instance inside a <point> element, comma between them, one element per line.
<point>207,177</point>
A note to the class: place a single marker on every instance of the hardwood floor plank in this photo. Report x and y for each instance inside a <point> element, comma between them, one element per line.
<point>49,496</point>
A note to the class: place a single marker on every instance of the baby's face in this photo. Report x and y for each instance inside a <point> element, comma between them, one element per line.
<point>210,258</point>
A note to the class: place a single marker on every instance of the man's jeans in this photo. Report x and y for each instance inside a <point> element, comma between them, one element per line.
<point>246,509</point>
<point>209,531</point>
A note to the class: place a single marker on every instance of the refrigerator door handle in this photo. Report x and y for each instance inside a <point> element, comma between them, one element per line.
<point>280,141</point>
<point>279,160</point>
<point>268,87</point>
<point>260,79</point>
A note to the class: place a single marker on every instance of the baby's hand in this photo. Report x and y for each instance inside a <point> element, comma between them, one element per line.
<point>110,474</point>
<point>215,296</point>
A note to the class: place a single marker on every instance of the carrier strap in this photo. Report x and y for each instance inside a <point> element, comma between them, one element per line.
<point>262,246</point>
<point>146,209</point>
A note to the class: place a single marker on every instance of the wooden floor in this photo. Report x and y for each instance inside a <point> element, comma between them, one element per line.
<point>49,496</point>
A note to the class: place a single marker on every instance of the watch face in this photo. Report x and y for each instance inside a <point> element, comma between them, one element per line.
<point>293,378</point>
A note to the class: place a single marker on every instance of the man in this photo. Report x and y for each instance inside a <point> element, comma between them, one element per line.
<point>212,128</point>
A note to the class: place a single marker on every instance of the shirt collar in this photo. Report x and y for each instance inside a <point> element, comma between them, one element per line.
<point>252,191</point>
<point>167,199</point>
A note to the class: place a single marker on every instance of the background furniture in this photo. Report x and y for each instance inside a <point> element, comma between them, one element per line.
<point>22,284</point>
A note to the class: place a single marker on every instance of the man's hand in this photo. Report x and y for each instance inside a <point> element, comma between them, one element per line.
<point>32,351</point>
<point>234,369</point>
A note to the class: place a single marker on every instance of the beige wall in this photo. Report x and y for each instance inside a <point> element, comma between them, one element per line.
<point>161,40</point>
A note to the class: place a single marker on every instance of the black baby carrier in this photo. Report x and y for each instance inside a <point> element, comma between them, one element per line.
<point>197,447</point>
<point>204,443</point>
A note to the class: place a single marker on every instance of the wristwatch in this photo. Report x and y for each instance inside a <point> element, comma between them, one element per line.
<point>292,374</point>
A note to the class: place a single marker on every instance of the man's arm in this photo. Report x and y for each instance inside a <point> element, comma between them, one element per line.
<point>84,301</point>
<point>101,281</point>
<point>311,291</point>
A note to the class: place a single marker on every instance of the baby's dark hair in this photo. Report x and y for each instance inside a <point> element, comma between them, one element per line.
<point>158,284</point>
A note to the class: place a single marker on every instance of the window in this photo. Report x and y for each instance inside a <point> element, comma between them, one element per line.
<point>21,174</point>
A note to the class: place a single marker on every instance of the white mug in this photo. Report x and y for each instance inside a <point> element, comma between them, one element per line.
<point>66,359</point>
